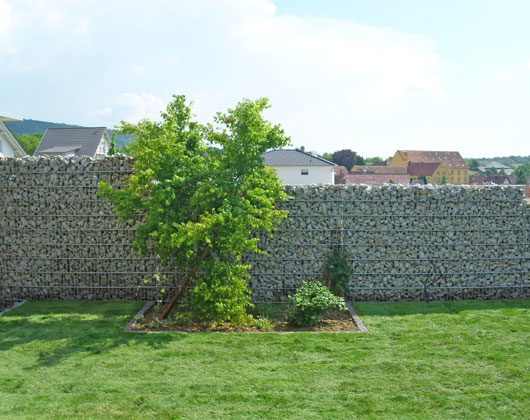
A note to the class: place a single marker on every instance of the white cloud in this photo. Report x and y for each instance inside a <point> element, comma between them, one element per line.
<point>6,27</point>
<point>320,73</point>
<point>132,107</point>
<point>377,65</point>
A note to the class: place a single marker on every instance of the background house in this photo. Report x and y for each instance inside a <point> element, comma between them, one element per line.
<point>9,146</point>
<point>93,142</point>
<point>375,179</point>
<point>422,172</point>
<point>340,173</point>
<point>498,179</point>
<point>497,167</point>
<point>380,170</point>
<point>452,168</point>
<point>297,167</point>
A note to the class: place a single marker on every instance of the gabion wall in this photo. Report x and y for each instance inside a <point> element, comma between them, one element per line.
<point>59,239</point>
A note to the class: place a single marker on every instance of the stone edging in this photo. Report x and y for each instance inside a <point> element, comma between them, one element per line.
<point>16,305</point>
<point>356,320</point>
<point>134,320</point>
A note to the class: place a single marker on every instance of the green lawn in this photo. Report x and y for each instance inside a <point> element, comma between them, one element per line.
<point>457,360</point>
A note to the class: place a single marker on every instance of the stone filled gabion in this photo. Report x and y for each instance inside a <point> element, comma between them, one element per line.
<point>59,239</point>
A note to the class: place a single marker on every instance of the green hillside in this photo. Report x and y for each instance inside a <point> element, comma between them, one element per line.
<point>512,161</point>
<point>35,126</point>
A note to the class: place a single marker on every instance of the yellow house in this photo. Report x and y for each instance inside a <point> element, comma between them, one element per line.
<point>436,167</point>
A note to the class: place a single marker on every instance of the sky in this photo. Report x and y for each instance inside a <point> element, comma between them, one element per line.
<point>368,75</point>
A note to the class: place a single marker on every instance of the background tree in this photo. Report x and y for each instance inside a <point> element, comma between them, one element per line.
<point>344,157</point>
<point>376,161</point>
<point>29,142</point>
<point>202,203</point>
<point>359,160</point>
<point>491,171</point>
<point>473,164</point>
<point>112,149</point>
<point>522,173</point>
<point>327,156</point>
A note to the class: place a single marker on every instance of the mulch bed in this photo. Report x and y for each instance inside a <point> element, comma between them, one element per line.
<point>180,320</point>
<point>5,305</point>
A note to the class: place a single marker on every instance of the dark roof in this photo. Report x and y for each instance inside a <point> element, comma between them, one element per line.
<point>422,169</point>
<point>82,141</point>
<point>375,179</point>
<point>381,170</point>
<point>497,179</point>
<point>449,159</point>
<point>293,157</point>
<point>477,179</point>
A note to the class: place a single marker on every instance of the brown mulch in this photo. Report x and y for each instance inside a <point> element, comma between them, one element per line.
<point>4,305</point>
<point>329,322</point>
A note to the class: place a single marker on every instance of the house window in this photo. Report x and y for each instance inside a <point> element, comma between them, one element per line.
<point>305,172</point>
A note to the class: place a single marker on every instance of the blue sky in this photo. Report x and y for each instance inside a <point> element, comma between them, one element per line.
<point>371,75</point>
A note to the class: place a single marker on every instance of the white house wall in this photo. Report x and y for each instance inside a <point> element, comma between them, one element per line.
<point>291,175</point>
<point>6,150</point>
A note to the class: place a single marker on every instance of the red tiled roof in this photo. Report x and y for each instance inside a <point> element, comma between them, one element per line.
<point>422,168</point>
<point>375,179</point>
<point>340,170</point>
<point>449,159</point>
<point>394,170</point>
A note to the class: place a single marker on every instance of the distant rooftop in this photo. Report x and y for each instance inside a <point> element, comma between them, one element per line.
<point>449,159</point>
<point>80,141</point>
<point>293,157</point>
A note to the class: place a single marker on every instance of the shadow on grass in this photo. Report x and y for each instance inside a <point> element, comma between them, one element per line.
<point>446,307</point>
<point>65,328</point>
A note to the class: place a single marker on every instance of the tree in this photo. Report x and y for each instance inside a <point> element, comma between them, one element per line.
<point>359,160</point>
<point>522,173</point>
<point>473,165</point>
<point>344,157</point>
<point>327,156</point>
<point>29,142</point>
<point>112,149</point>
<point>201,204</point>
<point>377,161</point>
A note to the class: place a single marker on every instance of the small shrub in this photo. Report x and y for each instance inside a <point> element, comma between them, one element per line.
<point>310,301</point>
<point>338,273</point>
<point>263,324</point>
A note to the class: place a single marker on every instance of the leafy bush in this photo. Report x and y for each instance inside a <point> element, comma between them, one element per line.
<point>263,324</point>
<point>310,301</point>
<point>338,273</point>
<point>221,294</point>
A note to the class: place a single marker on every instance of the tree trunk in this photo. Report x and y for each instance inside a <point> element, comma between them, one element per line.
<point>186,282</point>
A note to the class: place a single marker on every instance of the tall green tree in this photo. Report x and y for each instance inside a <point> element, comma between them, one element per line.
<point>203,192</point>
<point>29,142</point>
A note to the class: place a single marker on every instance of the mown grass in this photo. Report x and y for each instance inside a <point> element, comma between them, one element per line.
<point>457,360</point>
